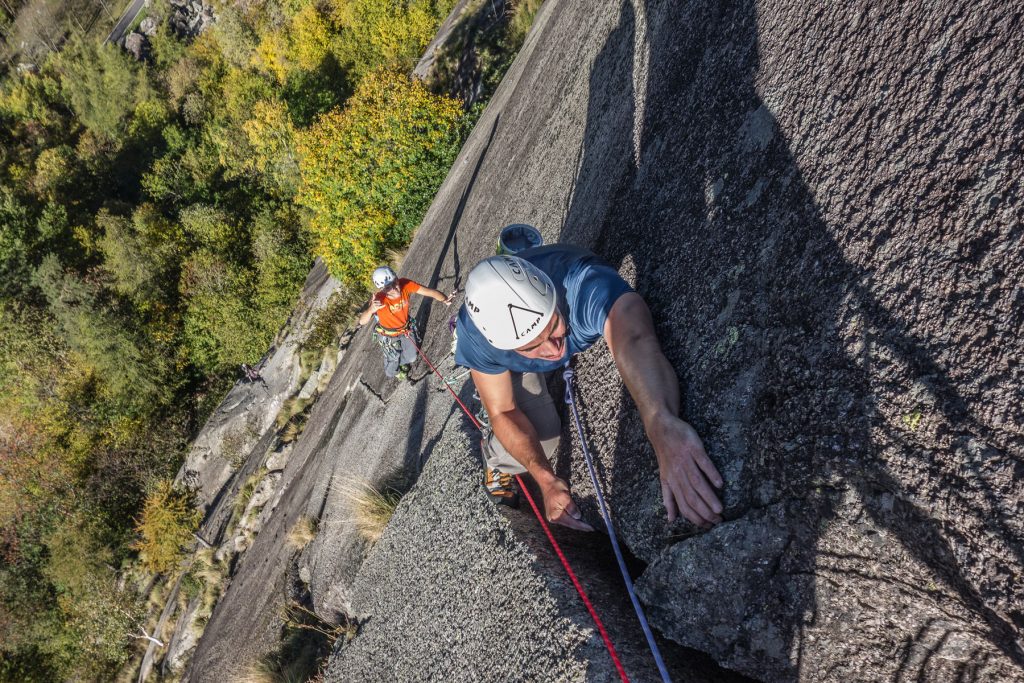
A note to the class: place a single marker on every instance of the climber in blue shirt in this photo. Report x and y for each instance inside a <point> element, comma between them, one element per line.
<point>526,315</point>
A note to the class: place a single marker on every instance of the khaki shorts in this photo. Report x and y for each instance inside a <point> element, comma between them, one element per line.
<point>530,390</point>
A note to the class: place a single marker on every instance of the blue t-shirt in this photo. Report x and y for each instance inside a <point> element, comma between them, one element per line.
<point>586,286</point>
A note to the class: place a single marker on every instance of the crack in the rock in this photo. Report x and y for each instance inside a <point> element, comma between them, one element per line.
<point>383,401</point>
<point>777,564</point>
<point>938,599</point>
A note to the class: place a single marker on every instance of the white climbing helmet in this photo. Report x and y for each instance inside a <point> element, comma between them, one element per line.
<point>510,300</point>
<point>383,276</point>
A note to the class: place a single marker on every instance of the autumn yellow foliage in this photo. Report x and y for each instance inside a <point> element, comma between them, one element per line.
<point>311,37</point>
<point>369,171</point>
<point>393,33</point>
<point>165,528</point>
<point>300,44</point>
<point>271,137</point>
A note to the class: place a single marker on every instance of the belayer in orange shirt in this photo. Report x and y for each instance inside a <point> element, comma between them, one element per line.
<point>390,306</point>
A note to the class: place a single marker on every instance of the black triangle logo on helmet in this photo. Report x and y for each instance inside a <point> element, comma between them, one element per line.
<point>528,319</point>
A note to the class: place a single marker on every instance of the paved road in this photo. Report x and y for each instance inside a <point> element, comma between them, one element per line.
<point>125,21</point>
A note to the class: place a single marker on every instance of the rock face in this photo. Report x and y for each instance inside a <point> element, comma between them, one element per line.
<point>827,206</point>
<point>471,600</point>
<point>136,45</point>
<point>148,26</point>
<point>822,206</point>
<point>248,413</point>
<point>189,18</point>
<point>458,40</point>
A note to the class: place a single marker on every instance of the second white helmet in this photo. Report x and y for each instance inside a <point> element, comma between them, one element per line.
<point>509,300</point>
<point>383,276</point>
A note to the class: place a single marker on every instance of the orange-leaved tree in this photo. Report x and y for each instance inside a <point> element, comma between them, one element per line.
<point>169,518</point>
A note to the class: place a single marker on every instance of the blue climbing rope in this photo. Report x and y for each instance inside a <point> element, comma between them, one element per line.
<point>570,400</point>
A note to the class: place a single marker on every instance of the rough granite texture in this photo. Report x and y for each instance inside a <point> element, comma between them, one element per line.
<point>495,610</point>
<point>822,205</point>
<point>247,414</point>
<point>413,583</point>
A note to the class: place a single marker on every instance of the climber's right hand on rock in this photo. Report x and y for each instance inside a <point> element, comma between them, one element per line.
<point>559,507</point>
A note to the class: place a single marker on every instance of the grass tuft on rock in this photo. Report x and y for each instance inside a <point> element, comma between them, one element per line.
<point>339,314</point>
<point>306,644</point>
<point>291,419</point>
<point>303,532</point>
<point>371,507</point>
<point>245,495</point>
<point>213,574</point>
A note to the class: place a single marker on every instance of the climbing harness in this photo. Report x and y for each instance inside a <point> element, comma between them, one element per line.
<point>391,350</point>
<point>396,332</point>
<point>554,544</point>
<point>569,375</point>
<point>389,340</point>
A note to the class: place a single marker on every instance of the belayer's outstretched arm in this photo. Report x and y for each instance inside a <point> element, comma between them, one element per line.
<point>446,299</point>
<point>686,472</point>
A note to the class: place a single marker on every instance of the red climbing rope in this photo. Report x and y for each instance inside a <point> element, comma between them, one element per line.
<point>544,525</point>
<point>575,581</point>
<point>426,360</point>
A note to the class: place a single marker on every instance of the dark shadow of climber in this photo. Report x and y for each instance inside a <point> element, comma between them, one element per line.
<point>782,346</point>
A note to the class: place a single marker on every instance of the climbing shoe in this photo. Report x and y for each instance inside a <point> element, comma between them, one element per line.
<point>403,373</point>
<point>501,487</point>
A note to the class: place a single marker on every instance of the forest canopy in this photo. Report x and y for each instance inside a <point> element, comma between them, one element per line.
<point>157,220</point>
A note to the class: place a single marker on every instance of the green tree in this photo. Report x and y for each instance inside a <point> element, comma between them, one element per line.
<point>220,325</point>
<point>62,603</point>
<point>31,106</point>
<point>234,35</point>
<point>370,171</point>
<point>282,261</point>
<point>31,369</point>
<point>187,172</point>
<point>17,234</point>
<point>142,254</point>
<point>55,235</point>
<point>28,664</point>
<point>29,616</point>
<point>53,171</point>
<point>91,329</point>
<point>97,617</point>
<point>102,85</point>
<point>211,228</point>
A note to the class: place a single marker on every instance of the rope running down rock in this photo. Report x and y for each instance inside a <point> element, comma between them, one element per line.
<point>554,543</point>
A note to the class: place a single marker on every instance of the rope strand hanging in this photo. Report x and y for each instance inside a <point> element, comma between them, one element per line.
<point>569,376</point>
<point>544,525</point>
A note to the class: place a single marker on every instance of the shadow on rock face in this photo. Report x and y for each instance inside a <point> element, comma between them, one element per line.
<point>870,507</point>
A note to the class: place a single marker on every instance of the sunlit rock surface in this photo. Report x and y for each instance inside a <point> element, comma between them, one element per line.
<point>821,203</point>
